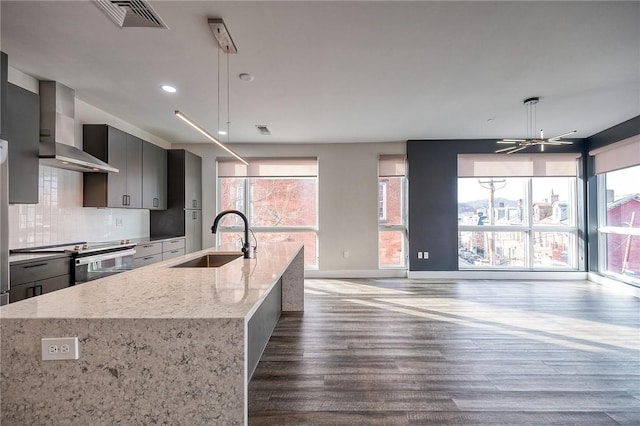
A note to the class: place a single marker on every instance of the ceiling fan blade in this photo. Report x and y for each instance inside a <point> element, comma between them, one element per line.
<point>563,135</point>
<point>550,142</point>
<point>512,140</point>
<point>518,149</point>
<point>506,149</point>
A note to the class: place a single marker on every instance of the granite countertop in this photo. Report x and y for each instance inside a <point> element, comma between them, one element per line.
<point>159,291</point>
<point>17,258</point>
<point>144,240</point>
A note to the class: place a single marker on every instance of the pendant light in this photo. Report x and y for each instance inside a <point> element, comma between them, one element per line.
<point>226,44</point>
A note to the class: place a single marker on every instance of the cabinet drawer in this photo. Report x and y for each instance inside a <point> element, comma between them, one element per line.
<point>173,253</point>
<point>39,270</point>
<point>176,243</point>
<point>26,291</point>
<point>148,249</point>
<point>147,260</point>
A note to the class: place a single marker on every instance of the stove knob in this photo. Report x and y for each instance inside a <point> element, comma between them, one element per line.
<point>76,248</point>
<point>85,246</point>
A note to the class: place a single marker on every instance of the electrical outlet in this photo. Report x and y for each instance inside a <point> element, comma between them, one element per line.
<point>419,255</point>
<point>425,255</point>
<point>60,348</point>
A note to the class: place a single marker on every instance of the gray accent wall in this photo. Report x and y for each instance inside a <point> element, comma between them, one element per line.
<point>433,197</point>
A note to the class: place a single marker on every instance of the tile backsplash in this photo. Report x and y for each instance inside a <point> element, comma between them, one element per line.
<point>60,218</point>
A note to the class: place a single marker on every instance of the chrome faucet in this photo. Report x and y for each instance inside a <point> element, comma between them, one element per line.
<point>246,246</point>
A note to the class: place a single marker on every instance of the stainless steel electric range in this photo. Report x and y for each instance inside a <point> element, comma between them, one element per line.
<point>92,260</point>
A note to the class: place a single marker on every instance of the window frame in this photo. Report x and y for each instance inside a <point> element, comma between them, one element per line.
<point>604,230</point>
<point>528,228</point>
<point>383,225</point>
<point>247,199</point>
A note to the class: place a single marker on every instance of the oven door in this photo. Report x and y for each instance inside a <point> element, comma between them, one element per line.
<point>92,267</point>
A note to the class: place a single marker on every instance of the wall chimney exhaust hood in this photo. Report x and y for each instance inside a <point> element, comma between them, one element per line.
<point>57,111</point>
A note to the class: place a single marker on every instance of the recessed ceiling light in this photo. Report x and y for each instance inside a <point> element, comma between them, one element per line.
<point>246,77</point>
<point>169,89</point>
<point>222,132</point>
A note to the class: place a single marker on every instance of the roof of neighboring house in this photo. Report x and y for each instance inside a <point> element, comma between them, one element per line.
<point>623,200</point>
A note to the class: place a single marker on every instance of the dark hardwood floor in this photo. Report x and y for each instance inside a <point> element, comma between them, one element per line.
<point>402,351</point>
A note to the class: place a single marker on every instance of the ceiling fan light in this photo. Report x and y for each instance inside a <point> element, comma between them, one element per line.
<point>531,140</point>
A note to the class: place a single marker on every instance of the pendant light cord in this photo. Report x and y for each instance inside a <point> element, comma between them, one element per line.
<point>228,101</point>
<point>218,92</point>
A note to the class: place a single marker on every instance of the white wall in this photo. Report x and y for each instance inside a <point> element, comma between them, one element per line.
<point>59,216</point>
<point>347,192</point>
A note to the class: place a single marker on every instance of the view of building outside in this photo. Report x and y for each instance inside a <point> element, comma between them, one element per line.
<point>392,229</point>
<point>391,241</point>
<point>517,223</point>
<point>278,210</point>
<point>620,230</point>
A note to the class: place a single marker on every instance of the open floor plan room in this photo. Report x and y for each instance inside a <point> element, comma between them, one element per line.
<point>400,351</point>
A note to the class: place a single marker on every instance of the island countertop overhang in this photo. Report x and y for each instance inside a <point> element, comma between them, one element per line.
<point>233,290</point>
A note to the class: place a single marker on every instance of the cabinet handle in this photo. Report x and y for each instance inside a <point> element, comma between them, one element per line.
<point>174,251</point>
<point>35,265</point>
<point>35,292</point>
<point>156,202</point>
<point>195,204</point>
<point>147,258</point>
<point>124,200</point>
<point>128,200</point>
<point>194,215</point>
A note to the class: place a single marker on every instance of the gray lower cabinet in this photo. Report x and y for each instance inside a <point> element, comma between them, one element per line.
<point>33,278</point>
<point>173,248</point>
<point>155,251</point>
<point>121,150</point>
<point>147,253</point>
<point>154,177</point>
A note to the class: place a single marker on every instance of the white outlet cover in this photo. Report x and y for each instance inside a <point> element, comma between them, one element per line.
<point>51,348</point>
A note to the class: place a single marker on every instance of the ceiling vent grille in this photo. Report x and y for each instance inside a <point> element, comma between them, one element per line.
<point>130,13</point>
<point>263,129</point>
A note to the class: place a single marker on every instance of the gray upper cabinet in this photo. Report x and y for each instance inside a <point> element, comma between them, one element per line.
<point>154,177</point>
<point>22,130</point>
<point>121,150</point>
<point>192,181</point>
<point>183,216</point>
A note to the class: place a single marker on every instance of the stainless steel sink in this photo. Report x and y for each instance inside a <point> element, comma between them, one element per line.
<point>211,260</point>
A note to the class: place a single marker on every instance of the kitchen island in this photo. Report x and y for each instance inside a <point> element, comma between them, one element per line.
<point>158,344</point>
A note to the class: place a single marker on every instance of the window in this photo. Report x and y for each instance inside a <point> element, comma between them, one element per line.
<point>382,200</point>
<point>618,173</point>
<point>279,198</point>
<point>392,229</point>
<point>517,212</point>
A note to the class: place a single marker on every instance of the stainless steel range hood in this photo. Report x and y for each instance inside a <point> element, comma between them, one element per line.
<point>57,111</point>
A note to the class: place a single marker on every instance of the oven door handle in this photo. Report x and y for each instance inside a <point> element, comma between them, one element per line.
<point>105,256</point>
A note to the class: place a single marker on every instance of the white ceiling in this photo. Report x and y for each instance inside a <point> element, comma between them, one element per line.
<point>344,71</point>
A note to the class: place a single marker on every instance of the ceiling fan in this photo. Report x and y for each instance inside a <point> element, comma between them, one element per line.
<point>520,144</point>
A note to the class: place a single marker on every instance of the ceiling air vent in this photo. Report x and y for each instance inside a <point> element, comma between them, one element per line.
<point>263,129</point>
<point>130,13</point>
